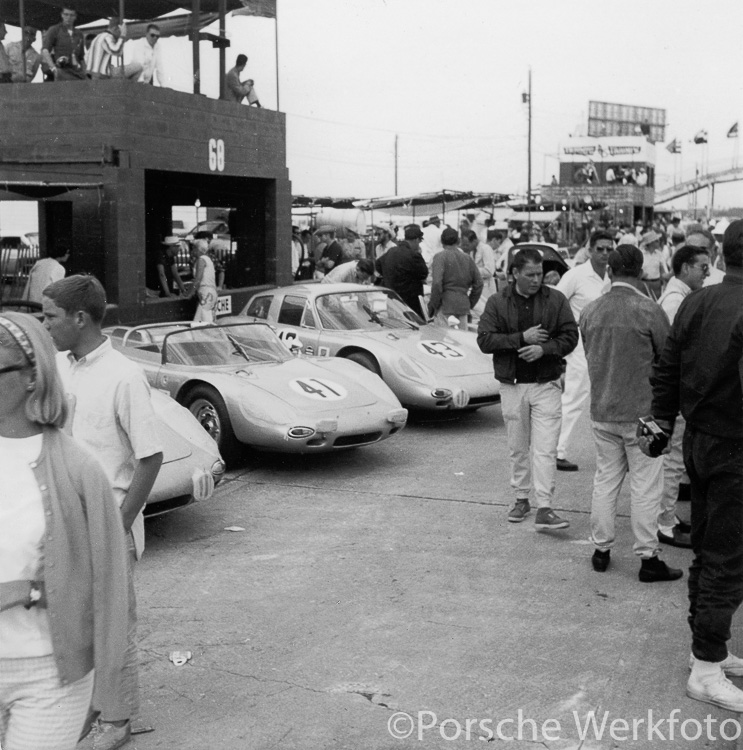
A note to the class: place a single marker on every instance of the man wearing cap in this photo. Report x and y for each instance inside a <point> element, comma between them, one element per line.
<point>332,254</point>
<point>528,328</point>
<point>385,237</point>
<point>162,269</point>
<point>456,284</point>
<point>580,285</point>
<point>699,375</point>
<point>690,268</point>
<point>431,244</point>
<point>654,269</point>
<point>623,335</point>
<point>403,269</point>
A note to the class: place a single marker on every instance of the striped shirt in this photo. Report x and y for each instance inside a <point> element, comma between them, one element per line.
<point>103,48</point>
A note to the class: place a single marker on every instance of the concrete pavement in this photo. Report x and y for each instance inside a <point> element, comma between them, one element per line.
<point>381,591</point>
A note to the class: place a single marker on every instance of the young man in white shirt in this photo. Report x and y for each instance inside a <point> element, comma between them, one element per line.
<point>111,415</point>
<point>148,53</point>
<point>580,285</point>
<point>690,268</point>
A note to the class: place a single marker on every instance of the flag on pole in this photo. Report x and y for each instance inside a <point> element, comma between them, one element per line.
<point>263,8</point>
<point>674,146</point>
<point>701,137</point>
<point>733,132</point>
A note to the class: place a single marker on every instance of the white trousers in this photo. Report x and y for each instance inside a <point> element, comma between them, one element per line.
<point>617,453</point>
<point>574,397</point>
<point>531,412</point>
<point>674,473</point>
<point>38,712</point>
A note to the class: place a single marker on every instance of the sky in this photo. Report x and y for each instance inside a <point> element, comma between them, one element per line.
<point>446,78</point>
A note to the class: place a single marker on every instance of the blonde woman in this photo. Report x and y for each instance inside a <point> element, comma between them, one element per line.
<point>63,595</point>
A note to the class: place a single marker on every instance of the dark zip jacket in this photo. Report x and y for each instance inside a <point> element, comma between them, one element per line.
<point>498,333</point>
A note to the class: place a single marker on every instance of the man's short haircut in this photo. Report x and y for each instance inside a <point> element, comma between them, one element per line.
<point>469,235</point>
<point>241,59</point>
<point>151,26</point>
<point>114,21</point>
<point>626,260</point>
<point>524,256</point>
<point>686,254</point>
<point>365,266</point>
<point>601,234</point>
<point>732,244</point>
<point>79,293</point>
<point>69,6</point>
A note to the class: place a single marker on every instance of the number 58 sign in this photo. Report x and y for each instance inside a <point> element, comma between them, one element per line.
<point>216,155</point>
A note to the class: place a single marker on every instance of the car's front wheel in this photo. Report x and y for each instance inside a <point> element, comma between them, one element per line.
<point>209,409</point>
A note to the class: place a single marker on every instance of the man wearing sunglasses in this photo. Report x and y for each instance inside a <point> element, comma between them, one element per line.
<point>148,53</point>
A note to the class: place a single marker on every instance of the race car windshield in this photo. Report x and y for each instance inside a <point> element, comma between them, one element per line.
<point>230,345</point>
<point>365,311</point>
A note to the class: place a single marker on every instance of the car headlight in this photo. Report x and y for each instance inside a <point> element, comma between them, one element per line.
<point>300,433</point>
<point>441,393</point>
<point>218,469</point>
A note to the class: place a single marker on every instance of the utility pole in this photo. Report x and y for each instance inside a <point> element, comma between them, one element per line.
<point>396,138</point>
<point>527,98</point>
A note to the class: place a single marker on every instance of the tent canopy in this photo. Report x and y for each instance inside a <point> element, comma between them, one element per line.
<point>45,13</point>
<point>423,204</point>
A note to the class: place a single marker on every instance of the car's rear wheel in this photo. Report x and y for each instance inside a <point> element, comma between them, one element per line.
<point>209,409</point>
<point>365,360</point>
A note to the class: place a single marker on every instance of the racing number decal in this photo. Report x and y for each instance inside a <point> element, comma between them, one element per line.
<point>290,338</point>
<point>440,349</point>
<point>322,390</point>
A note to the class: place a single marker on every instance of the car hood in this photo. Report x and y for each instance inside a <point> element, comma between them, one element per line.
<point>305,384</point>
<point>444,350</point>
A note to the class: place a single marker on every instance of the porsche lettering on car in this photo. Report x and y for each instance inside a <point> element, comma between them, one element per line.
<point>427,366</point>
<point>245,387</point>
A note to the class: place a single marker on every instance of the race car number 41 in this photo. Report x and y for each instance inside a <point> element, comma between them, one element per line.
<point>441,350</point>
<point>321,390</point>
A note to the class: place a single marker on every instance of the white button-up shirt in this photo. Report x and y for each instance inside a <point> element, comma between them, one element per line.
<point>672,298</point>
<point>581,285</point>
<point>150,58</point>
<point>111,414</point>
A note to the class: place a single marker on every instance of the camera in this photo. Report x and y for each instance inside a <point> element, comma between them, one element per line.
<point>658,438</point>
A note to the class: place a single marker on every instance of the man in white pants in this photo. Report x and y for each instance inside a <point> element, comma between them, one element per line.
<point>581,285</point>
<point>690,268</point>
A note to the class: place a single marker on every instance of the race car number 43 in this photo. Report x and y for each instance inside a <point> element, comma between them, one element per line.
<point>441,350</point>
<point>321,390</point>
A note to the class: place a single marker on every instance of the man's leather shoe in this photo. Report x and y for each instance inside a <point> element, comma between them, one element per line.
<point>564,465</point>
<point>654,569</point>
<point>679,538</point>
<point>601,560</point>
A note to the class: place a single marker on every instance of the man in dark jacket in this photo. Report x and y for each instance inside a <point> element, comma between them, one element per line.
<point>403,269</point>
<point>456,283</point>
<point>700,374</point>
<point>529,328</point>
